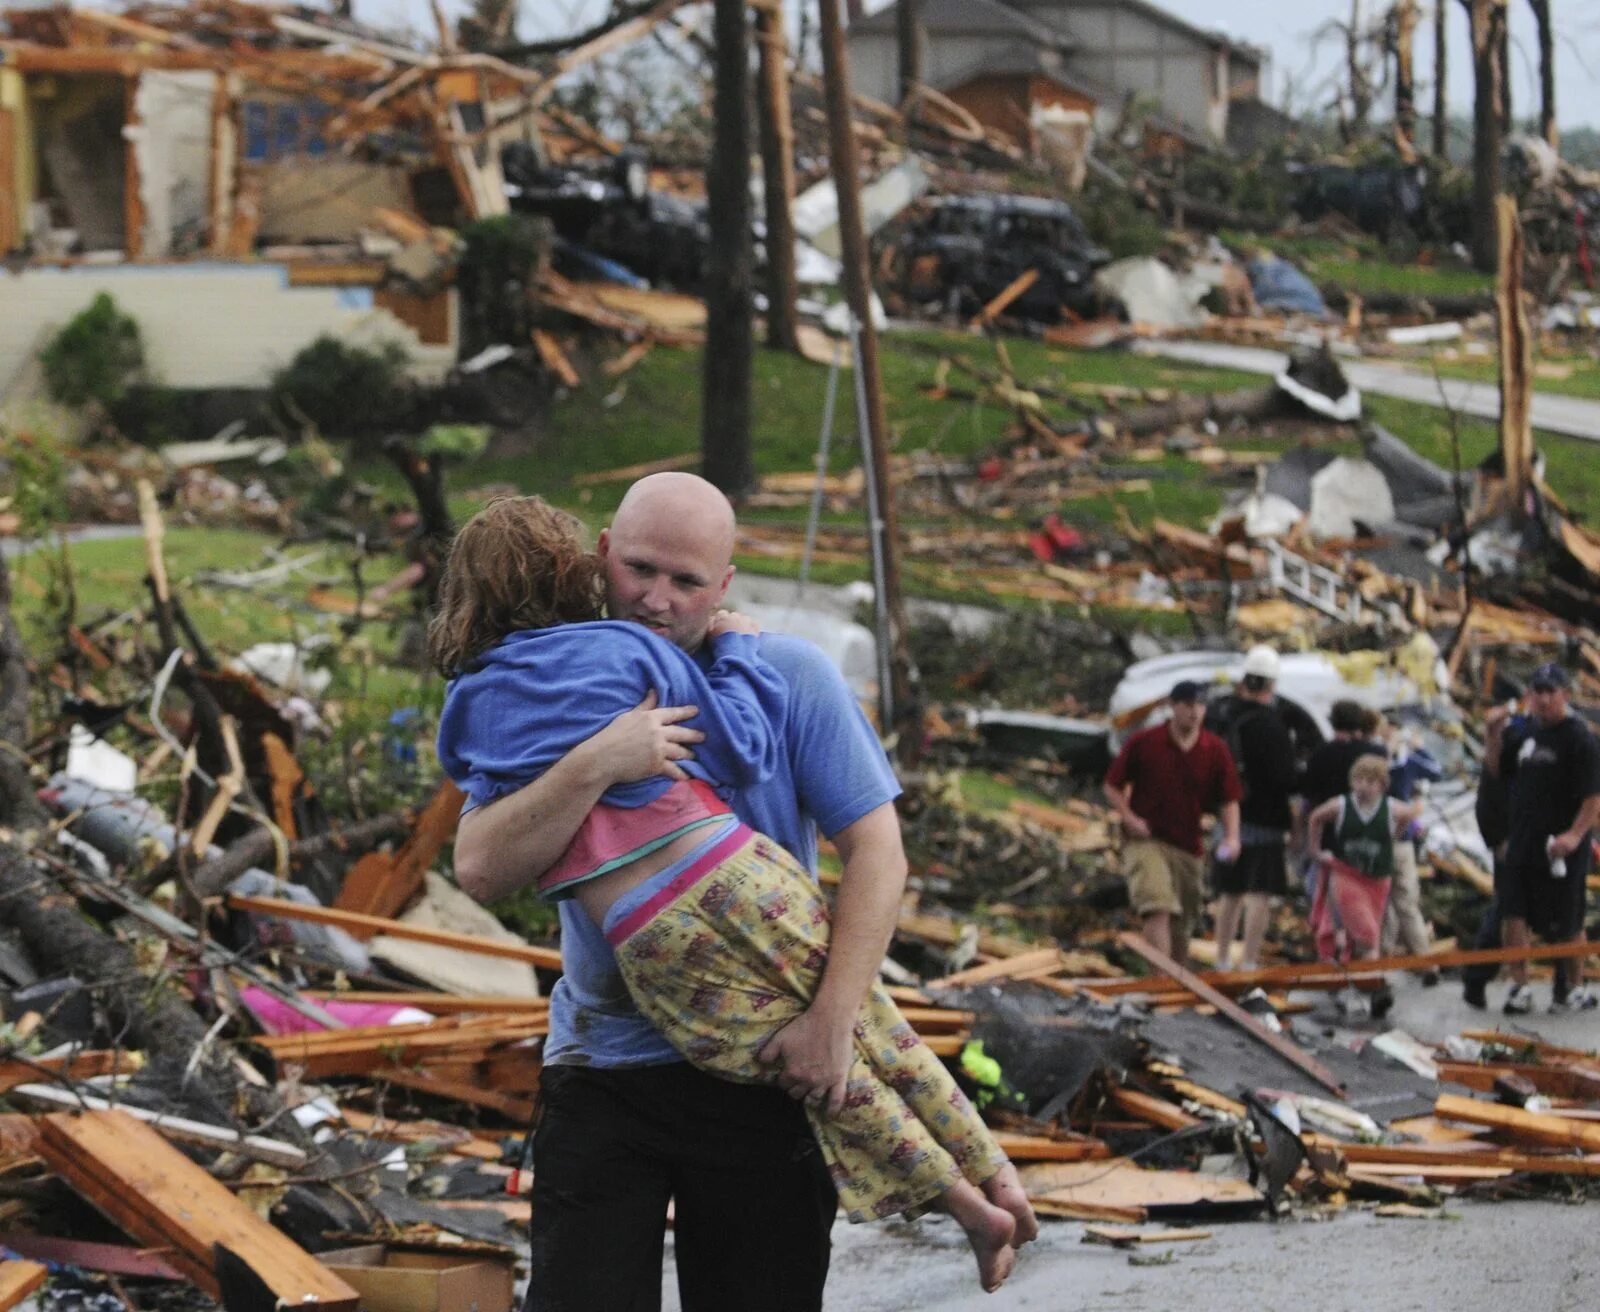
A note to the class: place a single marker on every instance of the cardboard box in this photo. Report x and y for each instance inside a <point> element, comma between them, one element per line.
<point>393,1280</point>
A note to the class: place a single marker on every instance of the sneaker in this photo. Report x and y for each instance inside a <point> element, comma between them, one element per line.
<point>1582,998</point>
<point>1519,1002</point>
<point>1475,993</point>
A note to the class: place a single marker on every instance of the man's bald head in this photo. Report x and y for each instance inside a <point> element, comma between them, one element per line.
<point>669,556</point>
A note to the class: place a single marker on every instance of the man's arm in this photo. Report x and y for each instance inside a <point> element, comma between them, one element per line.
<point>1570,840</point>
<point>1228,849</point>
<point>1133,825</point>
<point>506,845</point>
<point>1494,737</point>
<point>814,1051</point>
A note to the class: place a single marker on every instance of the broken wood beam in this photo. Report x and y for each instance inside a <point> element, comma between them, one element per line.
<point>381,884</point>
<point>1526,1127</point>
<point>354,923</point>
<point>1146,1107</point>
<point>1015,288</point>
<point>1290,976</point>
<point>180,1128</point>
<point>259,847</point>
<point>163,1200</point>
<point>1281,1045</point>
<point>18,1279</point>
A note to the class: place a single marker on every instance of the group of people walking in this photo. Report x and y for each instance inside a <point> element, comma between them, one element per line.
<point>1343,814</point>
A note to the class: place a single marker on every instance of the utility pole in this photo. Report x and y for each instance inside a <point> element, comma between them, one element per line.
<point>900,716</point>
<point>730,265</point>
<point>777,177</point>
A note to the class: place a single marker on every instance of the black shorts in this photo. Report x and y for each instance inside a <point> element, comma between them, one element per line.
<point>1552,907</point>
<point>1261,868</point>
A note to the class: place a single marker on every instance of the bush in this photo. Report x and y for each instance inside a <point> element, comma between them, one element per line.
<point>95,357</point>
<point>499,266</point>
<point>1119,223</point>
<point>346,391</point>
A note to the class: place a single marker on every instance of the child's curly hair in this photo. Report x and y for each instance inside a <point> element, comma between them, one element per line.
<point>519,563</point>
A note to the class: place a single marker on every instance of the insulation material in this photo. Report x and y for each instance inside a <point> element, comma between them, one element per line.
<point>172,145</point>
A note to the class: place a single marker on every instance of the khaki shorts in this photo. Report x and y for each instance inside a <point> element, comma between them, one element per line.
<point>1164,878</point>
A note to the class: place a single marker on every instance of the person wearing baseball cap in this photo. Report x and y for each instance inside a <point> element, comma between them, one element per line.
<point>1552,772</point>
<point>1263,751</point>
<point>1163,781</point>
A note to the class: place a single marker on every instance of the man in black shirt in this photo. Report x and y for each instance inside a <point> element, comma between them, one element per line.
<point>1264,754</point>
<point>1552,770</point>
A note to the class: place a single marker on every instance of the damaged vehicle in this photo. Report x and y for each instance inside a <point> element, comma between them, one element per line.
<point>607,215</point>
<point>1387,200</point>
<point>961,252</point>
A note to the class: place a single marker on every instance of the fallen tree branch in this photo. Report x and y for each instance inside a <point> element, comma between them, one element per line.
<point>257,848</point>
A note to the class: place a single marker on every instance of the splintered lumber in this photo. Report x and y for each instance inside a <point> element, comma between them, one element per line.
<point>555,359</point>
<point>1525,1127</point>
<point>1122,1237</point>
<point>1557,1081</point>
<point>366,926</point>
<point>180,1128</point>
<point>1038,1148</point>
<point>1156,1111</point>
<point>1421,1156</point>
<point>18,1280</point>
<point>447,1004</point>
<point>1319,974</point>
<point>1119,1183</point>
<point>77,1066</point>
<point>1281,1045</point>
<point>519,1110</point>
<point>1030,965</point>
<point>163,1200</point>
<point>998,305</point>
<point>381,884</point>
<point>450,1138</point>
<point>363,1050</point>
<point>631,473</point>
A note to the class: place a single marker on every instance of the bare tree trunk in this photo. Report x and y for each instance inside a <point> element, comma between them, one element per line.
<point>1547,72</point>
<point>908,16</point>
<point>725,413</point>
<point>1516,356</point>
<point>1360,87</point>
<point>1405,94</point>
<point>1441,78</point>
<point>1488,103</point>
<point>777,178</point>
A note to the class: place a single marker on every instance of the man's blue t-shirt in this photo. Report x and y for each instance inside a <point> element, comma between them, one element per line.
<point>831,771</point>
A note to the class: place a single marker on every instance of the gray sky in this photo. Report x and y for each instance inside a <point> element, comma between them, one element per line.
<point>1302,70</point>
<point>1288,28</point>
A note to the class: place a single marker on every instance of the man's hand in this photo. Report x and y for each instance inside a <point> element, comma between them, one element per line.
<point>731,621</point>
<point>1565,844</point>
<point>1134,826</point>
<point>813,1056</point>
<point>646,741</point>
<point>1227,851</point>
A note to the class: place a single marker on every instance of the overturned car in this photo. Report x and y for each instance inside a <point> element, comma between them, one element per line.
<point>960,252</point>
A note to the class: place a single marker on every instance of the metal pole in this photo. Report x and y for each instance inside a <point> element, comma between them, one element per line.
<point>823,442</point>
<point>858,291</point>
<point>875,544</point>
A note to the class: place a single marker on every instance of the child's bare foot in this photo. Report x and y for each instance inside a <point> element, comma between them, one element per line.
<point>989,1231</point>
<point>1004,1189</point>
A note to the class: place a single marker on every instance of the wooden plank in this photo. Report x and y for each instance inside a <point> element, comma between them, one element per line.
<point>1122,1237</point>
<point>1037,1148</point>
<point>10,224</point>
<point>1119,1182</point>
<point>161,1198</point>
<point>77,1066</point>
<point>1015,288</point>
<point>1284,1047</point>
<point>1157,1111</point>
<point>555,359</point>
<point>519,1110</point>
<point>630,473</point>
<point>1525,1127</point>
<point>1290,976</point>
<point>382,884</point>
<point>444,1004</point>
<point>1558,1081</point>
<point>19,1279</point>
<point>1043,960</point>
<point>545,958</point>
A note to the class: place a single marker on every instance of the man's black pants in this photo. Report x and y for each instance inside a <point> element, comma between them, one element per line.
<point>753,1205</point>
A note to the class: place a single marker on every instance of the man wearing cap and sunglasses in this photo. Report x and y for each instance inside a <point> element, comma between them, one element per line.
<point>1161,784</point>
<point>1552,770</point>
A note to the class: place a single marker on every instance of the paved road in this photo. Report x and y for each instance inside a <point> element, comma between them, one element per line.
<point>1572,416</point>
<point>1533,1256</point>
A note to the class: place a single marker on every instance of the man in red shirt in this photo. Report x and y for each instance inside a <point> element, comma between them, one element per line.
<point>1161,784</point>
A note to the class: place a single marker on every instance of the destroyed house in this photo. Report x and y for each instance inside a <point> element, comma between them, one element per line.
<point>1085,54</point>
<point>281,171</point>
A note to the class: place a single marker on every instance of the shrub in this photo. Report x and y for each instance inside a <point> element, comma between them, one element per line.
<point>95,357</point>
<point>346,391</point>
